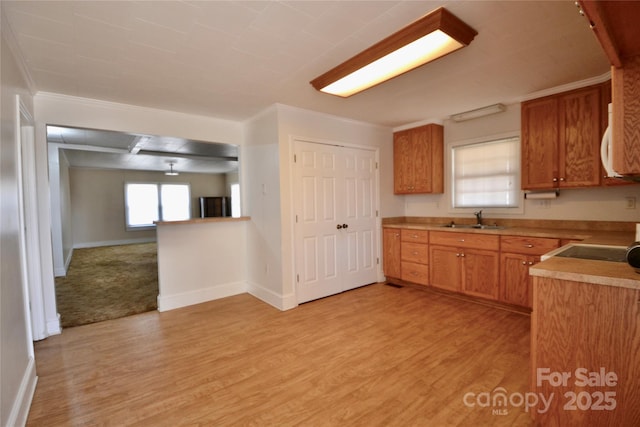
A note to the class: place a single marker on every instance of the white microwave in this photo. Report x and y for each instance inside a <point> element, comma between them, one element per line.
<point>605,150</point>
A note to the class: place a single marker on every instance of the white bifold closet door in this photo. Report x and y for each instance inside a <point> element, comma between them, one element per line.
<point>335,190</point>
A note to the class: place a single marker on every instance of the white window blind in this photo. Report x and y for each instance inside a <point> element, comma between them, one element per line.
<point>486,174</point>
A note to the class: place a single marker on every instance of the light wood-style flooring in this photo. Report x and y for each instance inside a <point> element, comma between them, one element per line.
<point>374,356</point>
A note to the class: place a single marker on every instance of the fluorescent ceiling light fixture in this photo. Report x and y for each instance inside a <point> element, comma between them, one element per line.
<point>430,37</point>
<point>171,172</point>
<point>479,112</point>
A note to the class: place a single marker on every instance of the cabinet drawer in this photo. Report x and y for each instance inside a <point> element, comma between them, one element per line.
<point>415,273</point>
<point>465,240</point>
<point>415,252</point>
<point>528,245</point>
<point>420,236</point>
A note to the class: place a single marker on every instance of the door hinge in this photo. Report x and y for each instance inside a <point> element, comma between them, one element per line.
<point>298,278</point>
<point>296,219</point>
<point>378,261</point>
<point>376,165</point>
<point>376,214</point>
<point>295,158</point>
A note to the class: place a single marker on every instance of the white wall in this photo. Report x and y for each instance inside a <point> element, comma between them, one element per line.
<point>97,202</point>
<point>261,186</point>
<point>200,262</point>
<point>17,366</point>
<point>606,203</point>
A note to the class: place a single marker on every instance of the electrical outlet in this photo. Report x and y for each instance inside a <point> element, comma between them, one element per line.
<point>631,202</point>
<point>544,204</point>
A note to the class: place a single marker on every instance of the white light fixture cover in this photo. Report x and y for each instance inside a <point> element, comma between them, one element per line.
<point>479,112</point>
<point>171,172</point>
<point>432,36</point>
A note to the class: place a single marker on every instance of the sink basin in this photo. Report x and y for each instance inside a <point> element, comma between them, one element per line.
<point>595,252</point>
<point>476,226</point>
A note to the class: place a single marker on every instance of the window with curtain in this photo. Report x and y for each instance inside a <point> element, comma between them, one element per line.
<point>486,174</point>
<point>149,202</point>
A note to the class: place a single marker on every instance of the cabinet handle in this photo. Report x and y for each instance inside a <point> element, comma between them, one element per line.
<point>528,246</point>
<point>561,179</point>
<point>415,236</point>
<point>338,226</point>
<point>462,240</point>
<point>414,253</point>
<point>524,262</point>
<point>555,179</point>
<point>457,255</point>
<point>462,255</point>
<point>530,262</point>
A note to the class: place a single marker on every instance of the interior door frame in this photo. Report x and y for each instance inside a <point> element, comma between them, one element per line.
<point>378,226</point>
<point>29,224</point>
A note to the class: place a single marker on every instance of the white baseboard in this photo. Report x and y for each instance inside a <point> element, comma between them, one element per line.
<point>170,302</point>
<point>68,261</point>
<point>280,302</point>
<point>113,242</point>
<point>53,326</point>
<point>22,404</point>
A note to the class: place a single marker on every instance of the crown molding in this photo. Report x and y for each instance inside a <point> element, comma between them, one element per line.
<point>563,88</point>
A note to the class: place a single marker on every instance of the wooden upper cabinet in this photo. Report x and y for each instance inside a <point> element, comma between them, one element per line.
<point>615,25</point>
<point>625,127</point>
<point>579,139</point>
<point>418,160</point>
<point>539,143</point>
<point>561,140</point>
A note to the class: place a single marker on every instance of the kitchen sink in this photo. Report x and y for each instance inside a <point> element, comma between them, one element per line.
<point>475,226</point>
<point>594,252</point>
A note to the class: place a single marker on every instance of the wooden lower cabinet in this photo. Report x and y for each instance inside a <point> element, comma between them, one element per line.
<point>406,255</point>
<point>470,271</point>
<point>391,252</point>
<point>480,273</point>
<point>414,254</point>
<point>585,332</point>
<point>445,268</point>
<point>514,278</point>
<point>465,262</point>
<point>518,254</point>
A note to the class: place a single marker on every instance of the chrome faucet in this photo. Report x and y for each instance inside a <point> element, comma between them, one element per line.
<point>478,215</point>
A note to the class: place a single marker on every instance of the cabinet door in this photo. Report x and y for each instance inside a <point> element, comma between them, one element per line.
<point>480,273</point>
<point>540,143</point>
<point>515,283</point>
<point>626,116</point>
<point>403,176</point>
<point>391,252</point>
<point>445,267</point>
<point>579,138</point>
<point>421,158</point>
<point>418,160</point>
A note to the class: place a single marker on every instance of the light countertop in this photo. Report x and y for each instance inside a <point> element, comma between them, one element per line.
<point>204,220</point>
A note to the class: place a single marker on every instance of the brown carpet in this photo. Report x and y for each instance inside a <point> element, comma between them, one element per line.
<point>107,283</point>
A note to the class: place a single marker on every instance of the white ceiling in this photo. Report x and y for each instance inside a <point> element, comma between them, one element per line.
<point>233,59</point>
